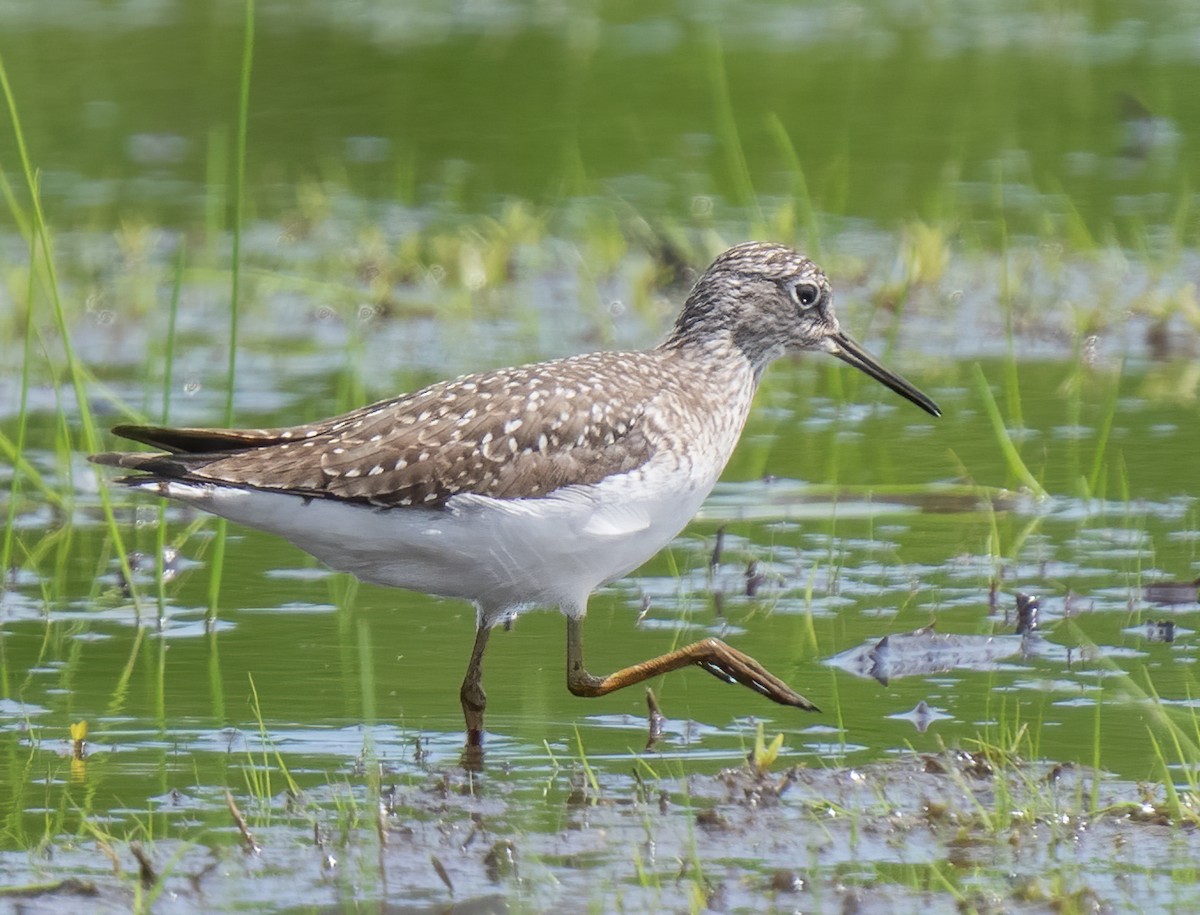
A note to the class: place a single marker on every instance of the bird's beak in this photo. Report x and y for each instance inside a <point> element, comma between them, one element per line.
<point>847,350</point>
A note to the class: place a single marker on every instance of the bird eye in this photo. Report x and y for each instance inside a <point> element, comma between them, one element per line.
<point>806,294</point>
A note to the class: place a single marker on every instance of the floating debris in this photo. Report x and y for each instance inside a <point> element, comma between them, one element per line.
<point>144,566</point>
<point>1028,608</point>
<point>924,651</point>
<point>501,860</point>
<point>718,548</point>
<point>146,871</point>
<point>755,578</point>
<point>922,715</point>
<point>786,881</point>
<point>1160,631</point>
<point>381,822</point>
<point>712,820</point>
<point>440,869</point>
<point>656,720</point>
<point>248,842</point>
<point>1172,592</point>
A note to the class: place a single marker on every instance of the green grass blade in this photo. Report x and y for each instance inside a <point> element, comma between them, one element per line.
<point>800,190</point>
<point>76,371</point>
<point>14,491</point>
<point>1110,411</point>
<point>1009,450</point>
<point>726,128</point>
<point>239,203</point>
<point>168,380</point>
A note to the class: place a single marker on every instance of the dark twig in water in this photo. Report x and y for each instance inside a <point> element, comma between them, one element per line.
<point>656,719</point>
<point>645,607</point>
<point>754,578</point>
<point>471,836</point>
<point>1172,592</point>
<point>1028,608</point>
<point>146,871</point>
<point>382,829</point>
<point>420,755</point>
<point>441,872</point>
<point>718,598</point>
<point>715,560</point>
<point>381,826</point>
<point>240,821</point>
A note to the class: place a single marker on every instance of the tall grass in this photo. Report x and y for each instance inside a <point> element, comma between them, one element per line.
<point>1103,435</point>
<point>42,256</point>
<point>239,202</point>
<point>801,195</point>
<point>165,416</point>
<point>1012,457</point>
<point>726,129</point>
<point>18,447</point>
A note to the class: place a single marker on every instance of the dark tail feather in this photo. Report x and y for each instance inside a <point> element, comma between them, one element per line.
<point>166,466</point>
<point>193,441</point>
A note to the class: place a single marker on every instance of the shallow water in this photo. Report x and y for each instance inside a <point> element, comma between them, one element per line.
<point>861,522</point>
<point>424,201</point>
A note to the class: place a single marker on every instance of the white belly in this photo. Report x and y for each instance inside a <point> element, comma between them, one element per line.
<point>501,554</point>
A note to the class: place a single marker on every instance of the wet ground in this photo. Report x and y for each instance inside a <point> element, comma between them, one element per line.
<point>940,832</point>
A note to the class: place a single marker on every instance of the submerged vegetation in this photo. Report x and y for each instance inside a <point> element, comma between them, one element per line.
<point>207,716</point>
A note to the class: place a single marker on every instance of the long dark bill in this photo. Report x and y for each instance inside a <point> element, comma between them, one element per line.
<point>850,352</point>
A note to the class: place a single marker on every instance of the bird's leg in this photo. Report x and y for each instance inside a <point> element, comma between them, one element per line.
<point>474,699</point>
<point>713,655</point>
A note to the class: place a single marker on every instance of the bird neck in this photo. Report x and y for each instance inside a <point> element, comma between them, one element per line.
<point>713,334</point>
<point>719,350</point>
<point>713,361</point>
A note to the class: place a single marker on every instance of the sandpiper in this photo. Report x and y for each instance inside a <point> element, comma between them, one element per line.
<point>528,486</point>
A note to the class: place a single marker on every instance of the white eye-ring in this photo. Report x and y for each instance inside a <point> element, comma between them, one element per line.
<point>806,294</point>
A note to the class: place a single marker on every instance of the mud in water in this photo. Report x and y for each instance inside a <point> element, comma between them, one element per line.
<point>935,832</point>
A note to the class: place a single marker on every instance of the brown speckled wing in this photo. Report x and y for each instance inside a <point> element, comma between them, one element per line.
<point>509,434</point>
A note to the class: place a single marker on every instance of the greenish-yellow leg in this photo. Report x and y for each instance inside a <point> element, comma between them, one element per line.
<point>472,696</point>
<point>713,655</point>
